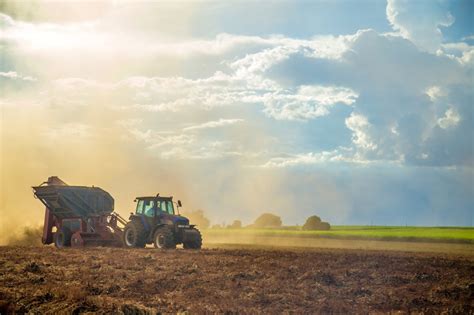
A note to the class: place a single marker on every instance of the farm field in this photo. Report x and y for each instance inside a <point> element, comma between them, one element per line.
<point>249,280</point>
<point>392,233</point>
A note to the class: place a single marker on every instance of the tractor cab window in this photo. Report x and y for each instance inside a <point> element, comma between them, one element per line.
<point>165,206</point>
<point>140,205</point>
<point>168,206</point>
<point>149,208</point>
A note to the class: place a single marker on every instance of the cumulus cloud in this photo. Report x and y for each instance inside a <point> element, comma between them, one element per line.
<point>162,94</point>
<point>401,92</point>
<point>435,93</point>
<point>450,119</point>
<point>420,21</point>
<point>460,51</point>
<point>307,102</point>
<point>360,127</point>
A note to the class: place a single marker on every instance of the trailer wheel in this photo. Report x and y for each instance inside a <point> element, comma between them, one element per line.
<point>62,238</point>
<point>164,238</point>
<point>195,243</point>
<point>134,235</point>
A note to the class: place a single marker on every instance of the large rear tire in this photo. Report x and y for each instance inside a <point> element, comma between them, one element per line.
<point>164,238</point>
<point>134,235</point>
<point>62,238</point>
<point>194,243</point>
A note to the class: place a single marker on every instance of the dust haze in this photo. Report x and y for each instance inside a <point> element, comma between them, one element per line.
<point>86,146</point>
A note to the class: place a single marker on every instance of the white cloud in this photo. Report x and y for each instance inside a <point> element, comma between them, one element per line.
<point>15,76</point>
<point>460,51</point>
<point>213,124</point>
<point>435,93</point>
<point>360,127</point>
<point>450,119</point>
<point>161,94</point>
<point>470,37</point>
<point>339,155</point>
<point>304,159</point>
<point>155,139</point>
<point>420,21</point>
<point>307,102</point>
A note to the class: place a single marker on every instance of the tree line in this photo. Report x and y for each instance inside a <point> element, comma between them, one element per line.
<point>265,220</point>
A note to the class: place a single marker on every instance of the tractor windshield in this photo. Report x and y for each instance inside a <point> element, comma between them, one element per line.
<point>166,206</point>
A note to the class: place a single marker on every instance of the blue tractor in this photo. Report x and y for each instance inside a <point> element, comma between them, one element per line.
<point>155,221</point>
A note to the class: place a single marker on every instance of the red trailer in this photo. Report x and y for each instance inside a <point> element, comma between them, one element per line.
<point>78,215</point>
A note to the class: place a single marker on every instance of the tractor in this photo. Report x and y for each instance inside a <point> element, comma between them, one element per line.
<point>155,221</point>
<point>80,216</point>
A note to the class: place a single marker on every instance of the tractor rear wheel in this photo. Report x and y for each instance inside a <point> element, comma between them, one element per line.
<point>164,238</point>
<point>134,235</point>
<point>195,243</point>
<point>62,238</point>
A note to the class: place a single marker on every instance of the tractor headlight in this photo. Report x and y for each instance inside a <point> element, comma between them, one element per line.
<point>183,226</point>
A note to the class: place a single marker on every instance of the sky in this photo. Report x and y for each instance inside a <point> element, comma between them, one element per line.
<point>357,111</point>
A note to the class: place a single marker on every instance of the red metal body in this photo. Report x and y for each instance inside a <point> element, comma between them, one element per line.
<point>98,231</point>
<point>105,229</point>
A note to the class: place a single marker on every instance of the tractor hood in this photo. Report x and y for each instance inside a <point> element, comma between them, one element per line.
<point>178,220</point>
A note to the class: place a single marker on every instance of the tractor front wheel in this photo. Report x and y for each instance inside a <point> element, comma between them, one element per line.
<point>134,235</point>
<point>164,238</point>
<point>195,242</point>
<point>62,238</point>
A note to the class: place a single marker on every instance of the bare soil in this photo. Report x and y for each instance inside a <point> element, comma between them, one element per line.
<point>242,280</point>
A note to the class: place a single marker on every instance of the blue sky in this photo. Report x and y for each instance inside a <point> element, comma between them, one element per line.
<point>357,111</point>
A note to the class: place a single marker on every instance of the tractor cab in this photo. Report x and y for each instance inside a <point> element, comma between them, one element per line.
<point>159,209</point>
<point>152,206</point>
<point>156,220</point>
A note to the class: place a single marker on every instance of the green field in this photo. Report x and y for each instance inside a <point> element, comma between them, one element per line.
<point>396,233</point>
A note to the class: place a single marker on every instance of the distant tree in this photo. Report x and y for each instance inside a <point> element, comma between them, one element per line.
<point>237,224</point>
<point>325,226</point>
<point>314,223</point>
<point>267,220</point>
<point>198,218</point>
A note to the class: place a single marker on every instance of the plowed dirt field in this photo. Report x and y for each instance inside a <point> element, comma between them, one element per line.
<point>255,280</point>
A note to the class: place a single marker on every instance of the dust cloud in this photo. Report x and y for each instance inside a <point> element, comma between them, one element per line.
<point>35,145</point>
<point>30,236</point>
<point>32,150</point>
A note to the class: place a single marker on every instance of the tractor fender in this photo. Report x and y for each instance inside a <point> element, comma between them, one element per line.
<point>140,220</point>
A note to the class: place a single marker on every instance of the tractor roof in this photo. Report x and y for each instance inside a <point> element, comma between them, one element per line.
<point>154,197</point>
